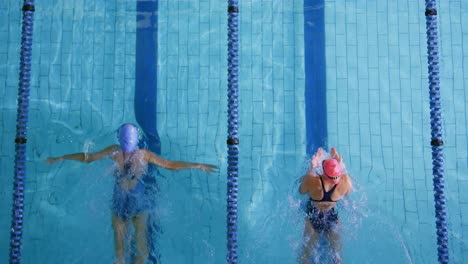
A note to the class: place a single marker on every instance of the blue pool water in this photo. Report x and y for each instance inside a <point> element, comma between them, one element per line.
<point>377,115</point>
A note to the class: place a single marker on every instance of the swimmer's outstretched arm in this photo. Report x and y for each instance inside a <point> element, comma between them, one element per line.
<point>177,165</point>
<point>84,157</point>
<point>314,163</point>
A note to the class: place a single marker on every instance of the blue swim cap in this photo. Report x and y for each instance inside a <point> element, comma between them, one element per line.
<point>128,137</point>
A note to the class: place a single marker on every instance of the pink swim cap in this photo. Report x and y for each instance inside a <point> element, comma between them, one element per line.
<point>332,168</point>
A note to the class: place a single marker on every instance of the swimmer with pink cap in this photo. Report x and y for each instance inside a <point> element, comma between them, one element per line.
<point>326,183</point>
<point>332,169</point>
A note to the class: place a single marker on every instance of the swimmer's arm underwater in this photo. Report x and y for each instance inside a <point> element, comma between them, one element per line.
<point>84,157</point>
<point>303,187</point>
<point>177,165</point>
<point>314,163</point>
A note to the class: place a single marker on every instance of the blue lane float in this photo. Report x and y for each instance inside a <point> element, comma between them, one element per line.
<point>233,133</point>
<point>21,132</point>
<point>436,131</point>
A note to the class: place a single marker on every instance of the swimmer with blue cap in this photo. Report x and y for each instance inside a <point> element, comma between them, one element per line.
<point>128,137</point>
<point>326,183</point>
<point>130,203</point>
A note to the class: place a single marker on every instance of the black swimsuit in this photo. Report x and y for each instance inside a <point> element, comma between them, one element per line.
<point>322,221</point>
<point>326,195</point>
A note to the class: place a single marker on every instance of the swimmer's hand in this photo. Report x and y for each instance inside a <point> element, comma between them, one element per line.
<point>52,160</point>
<point>316,160</point>
<point>207,167</point>
<point>337,156</point>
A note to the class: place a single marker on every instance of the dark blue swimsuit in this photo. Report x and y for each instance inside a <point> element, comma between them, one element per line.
<point>128,203</point>
<point>322,221</point>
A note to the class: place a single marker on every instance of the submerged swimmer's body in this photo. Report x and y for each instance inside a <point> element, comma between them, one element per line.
<point>325,188</point>
<point>130,202</point>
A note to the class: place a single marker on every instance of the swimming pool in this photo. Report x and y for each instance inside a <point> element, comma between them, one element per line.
<point>377,110</point>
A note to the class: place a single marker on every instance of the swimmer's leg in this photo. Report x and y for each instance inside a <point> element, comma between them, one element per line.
<point>310,240</point>
<point>139,222</point>
<point>120,232</point>
<point>335,245</point>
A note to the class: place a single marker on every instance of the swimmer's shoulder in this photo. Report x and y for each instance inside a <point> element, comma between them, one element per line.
<point>147,155</point>
<point>113,151</point>
<point>314,183</point>
<point>346,184</point>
